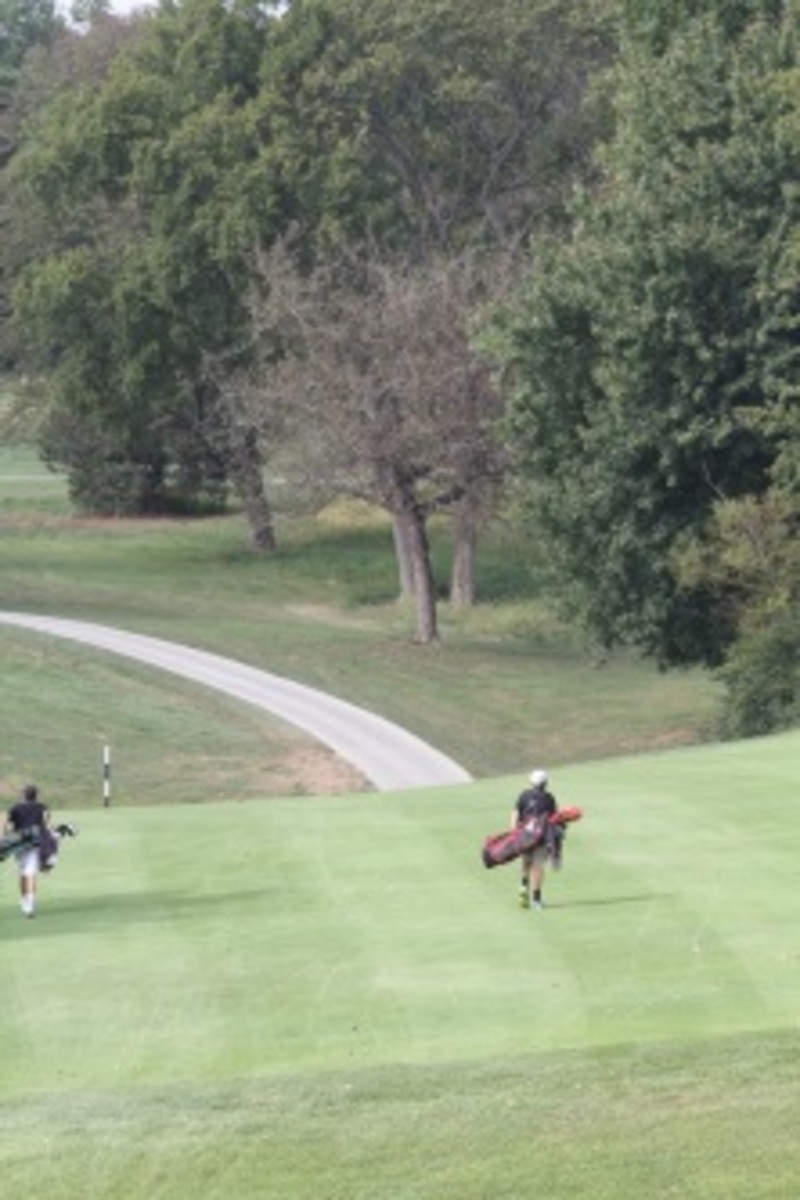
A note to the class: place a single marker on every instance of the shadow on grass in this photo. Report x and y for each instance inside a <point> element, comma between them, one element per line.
<point>613,901</point>
<point>87,914</point>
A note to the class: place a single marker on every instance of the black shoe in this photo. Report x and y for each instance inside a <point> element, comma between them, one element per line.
<point>66,831</point>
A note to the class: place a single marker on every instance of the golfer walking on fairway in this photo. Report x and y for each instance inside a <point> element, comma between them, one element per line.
<point>536,805</point>
<point>28,817</point>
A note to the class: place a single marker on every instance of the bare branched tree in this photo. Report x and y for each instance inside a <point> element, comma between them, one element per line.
<point>372,366</point>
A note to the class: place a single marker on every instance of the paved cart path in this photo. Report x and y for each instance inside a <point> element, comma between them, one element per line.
<point>390,757</point>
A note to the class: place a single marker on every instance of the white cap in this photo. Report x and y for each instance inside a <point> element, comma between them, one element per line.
<point>538,777</point>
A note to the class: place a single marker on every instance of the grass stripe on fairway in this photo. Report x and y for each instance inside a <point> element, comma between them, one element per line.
<point>713,1120</point>
<point>307,997</point>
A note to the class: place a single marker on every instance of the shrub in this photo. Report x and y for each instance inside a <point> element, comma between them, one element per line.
<point>762,678</point>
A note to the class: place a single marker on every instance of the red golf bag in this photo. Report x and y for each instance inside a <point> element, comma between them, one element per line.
<point>500,848</point>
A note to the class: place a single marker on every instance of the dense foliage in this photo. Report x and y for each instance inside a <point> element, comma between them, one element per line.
<point>147,191</point>
<point>133,176</point>
<point>651,358</point>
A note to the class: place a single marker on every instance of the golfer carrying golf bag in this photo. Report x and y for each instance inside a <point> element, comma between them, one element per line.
<point>30,837</point>
<point>534,808</point>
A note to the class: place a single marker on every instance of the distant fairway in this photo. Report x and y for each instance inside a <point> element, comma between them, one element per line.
<point>332,998</point>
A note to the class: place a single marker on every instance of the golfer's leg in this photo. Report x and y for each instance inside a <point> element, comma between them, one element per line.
<point>525,881</point>
<point>24,891</point>
<point>537,881</point>
<point>27,882</point>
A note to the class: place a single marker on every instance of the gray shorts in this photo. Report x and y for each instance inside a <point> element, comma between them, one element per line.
<point>537,857</point>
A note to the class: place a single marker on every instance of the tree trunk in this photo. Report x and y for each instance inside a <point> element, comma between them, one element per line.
<point>247,477</point>
<point>415,538</point>
<point>402,551</point>
<point>465,539</point>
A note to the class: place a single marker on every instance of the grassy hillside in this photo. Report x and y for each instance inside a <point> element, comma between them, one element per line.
<point>507,687</point>
<point>334,997</point>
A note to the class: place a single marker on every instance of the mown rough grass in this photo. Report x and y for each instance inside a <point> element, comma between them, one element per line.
<point>507,685</point>
<point>62,704</point>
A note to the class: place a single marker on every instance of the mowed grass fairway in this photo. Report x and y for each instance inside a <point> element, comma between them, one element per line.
<point>332,998</point>
<point>240,986</point>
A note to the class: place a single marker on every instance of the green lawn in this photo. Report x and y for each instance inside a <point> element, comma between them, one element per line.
<point>26,483</point>
<point>334,997</point>
<point>508,684</point>
<point>273,995</point>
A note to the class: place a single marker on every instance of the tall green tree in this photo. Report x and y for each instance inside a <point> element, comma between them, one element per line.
<point>419,128</point>
<point>429,123</point>
<point>24,26</point>
<point>137,179</point>
<point>751,553</point>
<point>637,357</point>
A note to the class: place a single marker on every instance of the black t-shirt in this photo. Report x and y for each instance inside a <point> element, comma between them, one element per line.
<point>535,802</point>
<point>28,816</point>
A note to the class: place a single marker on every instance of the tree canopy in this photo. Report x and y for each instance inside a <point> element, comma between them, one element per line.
<point>141,273</point>
<point>649,356</point>
<point>420,129</point>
